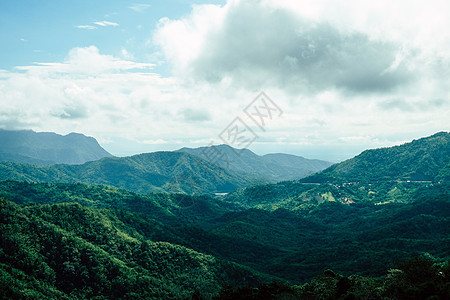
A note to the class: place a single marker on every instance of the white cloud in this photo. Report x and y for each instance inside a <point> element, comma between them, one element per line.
<point>86,60</point>
<point>122,102</point>
<point>125,54</point>
<point>106,23</point>
<point>189,34</point>
<point>309,45</point>
<point>86,84</point>
<point>140,7</point>
<point>372,69</point>
<point>89,27</point>
<point>112,99</point>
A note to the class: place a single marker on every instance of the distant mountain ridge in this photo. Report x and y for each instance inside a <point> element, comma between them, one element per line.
<point>399,174</point>
<point>163,171</point>
<point>425,159</point>
<point>43,148</point>
<point>49,157</point>
<point>272,167</point>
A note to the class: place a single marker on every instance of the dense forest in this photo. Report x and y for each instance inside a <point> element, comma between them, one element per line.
<point>84,241</point>
<point>344,233</point>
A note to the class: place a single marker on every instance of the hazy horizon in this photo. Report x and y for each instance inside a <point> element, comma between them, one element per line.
<point>130,148</point>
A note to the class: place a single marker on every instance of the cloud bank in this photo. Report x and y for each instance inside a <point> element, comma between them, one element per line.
<point>260,44</point>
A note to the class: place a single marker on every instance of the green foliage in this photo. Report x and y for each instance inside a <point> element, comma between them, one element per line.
<point>407,283</point>
<point>16,284</point>
<point>161,206</point>
<point>426,159</point>
<point>365,236</point>
<point>81,241</point>
<point>68,250</point>
<point>290,244</point>
<point>173,172</point>
<point>274,290</point>
<point>421,277</point>
<point>299,196</point>
<point>114,242</point>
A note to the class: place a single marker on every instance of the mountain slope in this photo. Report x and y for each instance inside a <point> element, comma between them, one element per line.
<point>425,159</point>
<point>151,172</point>
<point>28,146</point>
<point>168,208</point>
<point>68,251</point>
<point>272,167</point>
<point>289,245</point>
<point>397,174</point>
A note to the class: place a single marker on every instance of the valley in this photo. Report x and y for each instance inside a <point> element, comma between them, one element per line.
<point>112,229</point>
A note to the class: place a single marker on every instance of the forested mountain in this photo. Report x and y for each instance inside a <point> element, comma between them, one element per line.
<point>384,239</point>
<point>409,171</point>
<point>67,251</point>
<point>93,241</point>
<point>168,208</point>
<point>425,159</point>
<point>27,146</point>
<point>295,195</point>
<point>291,245</point>
<point>151,172</point>
<point>270,167</point>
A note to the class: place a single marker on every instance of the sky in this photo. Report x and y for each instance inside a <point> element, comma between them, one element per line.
<point>322,79</point>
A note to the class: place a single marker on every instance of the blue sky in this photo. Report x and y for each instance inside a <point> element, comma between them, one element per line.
<point>45,31</point>
<point>143,76</point>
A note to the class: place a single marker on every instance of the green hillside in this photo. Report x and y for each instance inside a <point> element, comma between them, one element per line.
<point>291,244</point>
<point>118,244</point>
<point>299,196</point>
<point>173,172</point>
<point>68,251</point>
<point>167,208</point>
<point>425,159</point>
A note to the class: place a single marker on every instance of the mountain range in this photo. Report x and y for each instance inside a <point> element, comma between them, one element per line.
<point>377,176</point>
<point>273,167</point>
<point>375,226</point>
<point>43,148</point>
<point>31,156</point>
<point>174,172</point>
<point>195,171</point>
